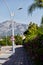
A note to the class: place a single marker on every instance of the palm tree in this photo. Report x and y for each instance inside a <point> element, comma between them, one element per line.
<point>36,4</point>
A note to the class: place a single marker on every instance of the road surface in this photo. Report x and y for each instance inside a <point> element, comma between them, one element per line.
<point>18,58</point>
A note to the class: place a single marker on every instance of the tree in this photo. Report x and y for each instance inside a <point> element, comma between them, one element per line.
<point>32,29</point>
<point>18,40</point>
<point>36,4</point>
<point>31,32</point>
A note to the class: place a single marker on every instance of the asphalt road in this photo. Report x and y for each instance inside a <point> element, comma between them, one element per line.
<point>18,58</point>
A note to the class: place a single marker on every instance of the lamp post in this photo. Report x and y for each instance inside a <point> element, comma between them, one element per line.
<point>13,43</point>
<point>12,17</point>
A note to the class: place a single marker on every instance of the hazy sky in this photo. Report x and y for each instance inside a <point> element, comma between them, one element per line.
<point>21,16</point>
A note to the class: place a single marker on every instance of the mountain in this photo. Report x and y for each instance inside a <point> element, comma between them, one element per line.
<point>6,28</point>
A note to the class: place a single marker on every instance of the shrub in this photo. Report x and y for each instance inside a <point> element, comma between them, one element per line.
<point>18,40</point>
<point>34,43</point>
<point>3,42</point>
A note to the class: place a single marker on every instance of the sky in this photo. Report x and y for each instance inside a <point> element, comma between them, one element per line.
<point>20,16</point>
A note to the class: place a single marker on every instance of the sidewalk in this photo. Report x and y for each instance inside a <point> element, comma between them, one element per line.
<point>5,53</point>
<point>18,58</point>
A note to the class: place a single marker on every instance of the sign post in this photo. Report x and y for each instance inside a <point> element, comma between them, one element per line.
<point>13,46</point>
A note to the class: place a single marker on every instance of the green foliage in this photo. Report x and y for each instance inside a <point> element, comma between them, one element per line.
<point>40,30</point>
<point>18,40</point>
<point>36,4</point>
<point>32,29</point>
<point>4,40</point>
<point>34,43</point>
<point>2,43</point>
<point>31,32</point>
<point>9,42</point>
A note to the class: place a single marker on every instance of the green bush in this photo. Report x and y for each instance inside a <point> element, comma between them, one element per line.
<point>31,32</point>
<point>18,40</point>
<point>3,42</point>
<point>34,43</point>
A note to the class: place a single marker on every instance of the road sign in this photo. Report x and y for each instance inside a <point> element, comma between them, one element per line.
<point>12,38</point>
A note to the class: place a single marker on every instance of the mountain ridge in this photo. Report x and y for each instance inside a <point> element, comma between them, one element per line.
<point>6,28</point>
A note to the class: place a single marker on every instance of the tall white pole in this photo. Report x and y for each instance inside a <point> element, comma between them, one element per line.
<point>11,16</point>
<point>13,43</point>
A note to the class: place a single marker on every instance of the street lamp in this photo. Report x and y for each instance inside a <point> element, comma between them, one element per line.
<point>12,17</point>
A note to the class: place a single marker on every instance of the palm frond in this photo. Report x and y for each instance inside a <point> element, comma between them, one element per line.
<point>36,4</point>
<point>32,8</point>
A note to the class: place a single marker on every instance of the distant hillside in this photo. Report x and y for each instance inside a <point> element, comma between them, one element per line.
<point>6,28</point>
